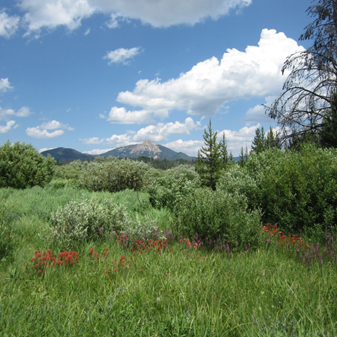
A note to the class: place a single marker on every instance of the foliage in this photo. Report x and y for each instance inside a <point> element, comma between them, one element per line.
<point>237,181</point>
<point>215,214</point>
<point>22,166</point>
<point>328,132</point>
<point>308,90</point>
<point>143,231</point>
<point>6,230</point>
<point>224,152</point>
<point>297,189</point>
<point>78,221</point>
<point>114,175</point>
<point>208,162</point>
<point>171,188</point>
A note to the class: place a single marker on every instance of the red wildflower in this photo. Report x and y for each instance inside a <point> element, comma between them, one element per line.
<point>91,251</point>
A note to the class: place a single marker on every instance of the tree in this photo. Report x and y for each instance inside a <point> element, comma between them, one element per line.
<point>208,162</point>
<point>308,90</point>
<point>224,152</point>
<point>328,133</point>
<point>258,144</point>
<point>21,166</point>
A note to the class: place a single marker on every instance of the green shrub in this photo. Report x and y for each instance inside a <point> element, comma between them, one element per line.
<point>22,166</point>
<point>170,189</point>
<point>211,214</point>
<point>297,189</point>
<point>114,175</point>
<point>143,231</point>
<point>79,221</point>
<point>237,181</point>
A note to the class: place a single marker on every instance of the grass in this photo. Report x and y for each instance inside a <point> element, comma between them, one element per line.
<point>181,291</point>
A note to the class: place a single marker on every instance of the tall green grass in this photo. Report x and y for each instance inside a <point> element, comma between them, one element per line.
<point>181,291</point>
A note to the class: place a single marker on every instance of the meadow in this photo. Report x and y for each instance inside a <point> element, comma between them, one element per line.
<point>119,248</point>
<point>177,286</point>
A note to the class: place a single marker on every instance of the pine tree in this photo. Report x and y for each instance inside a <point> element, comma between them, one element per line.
<point>209,162</point>
<point>258,144</point>
<point>224,152</point>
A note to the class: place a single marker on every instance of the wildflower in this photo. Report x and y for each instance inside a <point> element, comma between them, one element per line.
<point>40,271</point>
<point>91,251</point>
<point>96,255</point>
<point>195,246</point>
<point>167,274</point>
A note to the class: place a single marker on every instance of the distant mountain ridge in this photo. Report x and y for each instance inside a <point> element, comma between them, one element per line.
<point>145,149</point>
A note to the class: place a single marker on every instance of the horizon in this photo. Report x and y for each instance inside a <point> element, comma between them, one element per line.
<point>97,75</point>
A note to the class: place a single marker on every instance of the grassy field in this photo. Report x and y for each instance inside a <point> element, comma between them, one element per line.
<point>158,288</point>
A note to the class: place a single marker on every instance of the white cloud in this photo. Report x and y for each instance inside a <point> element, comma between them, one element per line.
<point>22,112</point>
<point>161,131</point>
<point>156,133</point>
<point>53,125</point>
<point>92,141</point>
<point>160,13</point>
<point>189,147</point>
<point>121,116</point>
<point>87,32</point>
<point>8,24</point>
<point>42,132</point>
<point>37,132</point>
<point>97,151</point>
<point>4,84</point>
<point>210,84</point>
<point>121,55</point>
<point>8,127</point>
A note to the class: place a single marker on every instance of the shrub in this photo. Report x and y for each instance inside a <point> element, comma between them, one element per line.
<point>170,189</point>
<point>143,231</point>
<point>237,181</point>
<point>211,214</point>
<point>78,221</point>
<point>297,189</point>
<point>114,175</point>
<point>22,166</point>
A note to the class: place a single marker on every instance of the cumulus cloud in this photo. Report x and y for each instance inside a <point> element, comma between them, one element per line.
<point>97,151</point>
<point>209,85</point>
<point>53,125</point>
<point>156,133</point>
<point>6,113</point>
<point>8,127</point>
<point>8,24</point>
<point>42,132</point>
<point>161,13</point>
<point>4,84</point>
<point>121,55</point>
<point>121,116</point>
<point>190,147</point>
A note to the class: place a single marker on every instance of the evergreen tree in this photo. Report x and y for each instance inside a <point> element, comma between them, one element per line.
<point>209,162</point>
<point>224,152</point>
<point>259,141</point>
<point>242,158</point>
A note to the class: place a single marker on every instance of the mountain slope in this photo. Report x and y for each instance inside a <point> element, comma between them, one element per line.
<point>144,149</point>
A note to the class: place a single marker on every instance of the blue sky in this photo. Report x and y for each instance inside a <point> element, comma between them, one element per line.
<point>94,75</point>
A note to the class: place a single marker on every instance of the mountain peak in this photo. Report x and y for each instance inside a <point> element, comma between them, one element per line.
<point>146,146</point>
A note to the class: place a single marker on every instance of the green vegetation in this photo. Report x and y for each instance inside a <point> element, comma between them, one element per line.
<point>22,166</point>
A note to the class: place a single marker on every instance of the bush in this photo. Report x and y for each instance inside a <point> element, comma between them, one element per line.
<point>297,189</point>
<point>79,221</point>
<point>170,189</point>
<point>211,214</point>
<point>237,181</point>
<point>143,231</point>
<point>114,175</point>
<point>22,166</point>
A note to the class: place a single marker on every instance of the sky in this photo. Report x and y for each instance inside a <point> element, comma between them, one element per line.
<point>94,75</point>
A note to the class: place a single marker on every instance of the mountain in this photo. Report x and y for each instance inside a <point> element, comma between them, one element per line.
<point>62,154</point>
<point>144,149</point>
